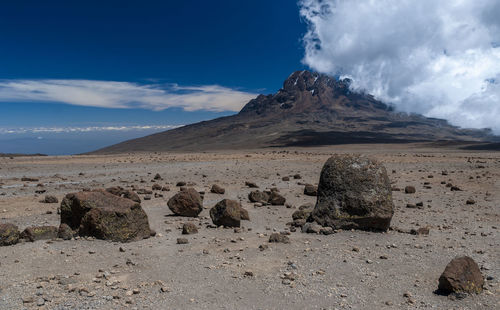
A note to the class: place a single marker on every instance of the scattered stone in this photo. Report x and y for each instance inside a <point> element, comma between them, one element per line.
<point>29,179</point>
<point>310,190</point>
<point>297,177</point>
<point>120,192</point>
<point>181,183</point>
<point>226,213</point>
<point>279,238</point>
<point>186,203</point>
<point>410,189</point>
<point>9,234</point>
<point>50,199</point>
<point>420,231</point>
<point>248,273</point>
<point>470,201</point>
<point>263,247</point>
<point>189,228</point>
<point>216,189</point>
<point>158,177</point>
<point>103,215</point>
<point>276,199</point>
<point>462,274</point>
<point>35,233</point>
<point>156,187</point>
<point>354,192</point>
<point>244,216</point>
<point>285,179</point>
<point>182,241</point>
<point>251,184</point>
<point>258,196</point>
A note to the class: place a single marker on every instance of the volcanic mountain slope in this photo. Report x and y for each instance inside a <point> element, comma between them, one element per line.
<point>310,109</point>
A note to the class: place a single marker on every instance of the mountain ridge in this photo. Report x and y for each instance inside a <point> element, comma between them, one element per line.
<point>310,109</point>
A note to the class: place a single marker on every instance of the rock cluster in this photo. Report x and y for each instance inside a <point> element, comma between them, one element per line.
<point>267,197</point>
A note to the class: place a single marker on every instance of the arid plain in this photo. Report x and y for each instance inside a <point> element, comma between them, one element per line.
<point>239,269</point>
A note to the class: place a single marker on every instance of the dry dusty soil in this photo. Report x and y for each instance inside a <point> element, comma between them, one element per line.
<point>223,269</point>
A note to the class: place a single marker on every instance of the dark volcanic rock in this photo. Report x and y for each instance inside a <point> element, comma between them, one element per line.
<point>65,232</point>
<point>276,199</point>
<point>50,199</point>
<point>251,184</point>
<point>216,189</point>
<point>462,274</point>
<point>410,189</point>
<point>35,233</point>
<point>258,196</point>
<point>353,192</point>
<point>226,213</point>
<point>186,203</point>
<point>244,214</point>
<point>105,216</point>
<point>189,228</point>
<point>120,192</point>
<point>310,190</point>
<point>9,234</point>
<point>278,238</point>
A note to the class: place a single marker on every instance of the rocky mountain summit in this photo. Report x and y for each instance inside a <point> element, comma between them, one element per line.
<point>310,109</point>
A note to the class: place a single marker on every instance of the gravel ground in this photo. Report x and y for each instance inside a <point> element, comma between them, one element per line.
<point>223,269</point>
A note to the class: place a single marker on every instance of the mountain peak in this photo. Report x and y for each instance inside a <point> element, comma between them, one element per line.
<point>304,91</point>
<point>311,109</point>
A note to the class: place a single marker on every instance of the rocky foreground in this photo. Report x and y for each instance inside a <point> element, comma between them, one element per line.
<point>170,249</point>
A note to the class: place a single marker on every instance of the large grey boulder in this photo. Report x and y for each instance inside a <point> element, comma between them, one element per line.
<point>354,192</point>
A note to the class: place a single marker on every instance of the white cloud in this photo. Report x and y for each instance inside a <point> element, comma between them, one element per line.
<point>110,94</point>
<point>439,58</point>
<point>24,130</point>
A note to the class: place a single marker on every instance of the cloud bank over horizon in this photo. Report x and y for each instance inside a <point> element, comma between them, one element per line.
<point>68,129</point>
<point>437,58</point>
<point>123,95</point>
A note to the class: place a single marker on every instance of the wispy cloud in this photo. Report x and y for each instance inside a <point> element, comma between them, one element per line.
<point>111,94</point>
<point>84,129</point>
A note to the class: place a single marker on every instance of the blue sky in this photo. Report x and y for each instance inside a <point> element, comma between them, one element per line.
<point>79,75</point>
<point>228,50</point>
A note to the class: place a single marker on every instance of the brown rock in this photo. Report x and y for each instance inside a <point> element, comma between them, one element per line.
<point>35,233</point>
<point>244,214</point>
<point>310,190</point>
<point>251,184</point>
<point>50,199</point>
<point>189,228</point>
<point>216,189</point>
<point>106,216</point>
<point>276,199</point>
<point>186,203</point>
<point>279,238</point>
<point>410,189</point>
<point>462,274</point>
<point>226,213</point>
<point>182,241</point>
<point>65,232</point>
<point>9,234</point>
<point>258,196</point>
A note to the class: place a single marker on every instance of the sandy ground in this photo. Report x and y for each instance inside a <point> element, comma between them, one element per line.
<point>340,271</point>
